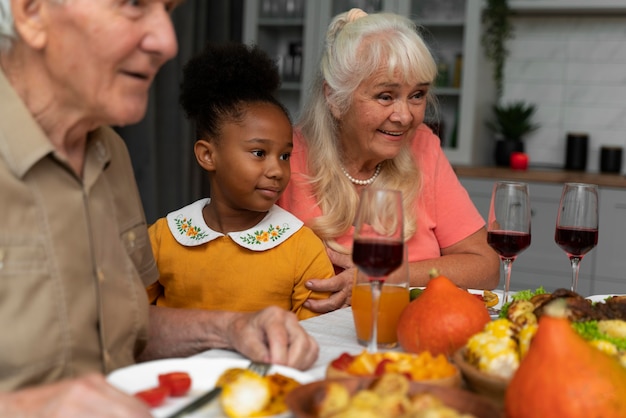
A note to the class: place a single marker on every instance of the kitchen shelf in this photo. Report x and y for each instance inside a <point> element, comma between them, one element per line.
<point>585,7</point>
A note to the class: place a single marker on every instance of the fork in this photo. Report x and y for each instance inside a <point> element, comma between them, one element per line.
<point>257,367</point>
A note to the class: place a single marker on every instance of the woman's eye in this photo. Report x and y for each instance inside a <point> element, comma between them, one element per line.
<point>134,2</point>
<point>385,97</point>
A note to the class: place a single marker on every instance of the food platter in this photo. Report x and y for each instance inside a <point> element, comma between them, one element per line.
<point>301,401</point>
<point>600,298</point>
<point>204,373</point>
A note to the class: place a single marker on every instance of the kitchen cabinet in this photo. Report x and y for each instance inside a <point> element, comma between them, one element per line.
<point>609,275</point>
<point>451,28</point>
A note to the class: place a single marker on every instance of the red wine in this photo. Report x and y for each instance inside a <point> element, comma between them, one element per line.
<point>576,242</point>
<point>508,244</point>
<point>376,258</point>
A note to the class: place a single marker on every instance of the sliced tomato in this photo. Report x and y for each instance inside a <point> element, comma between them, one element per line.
<point>154,396</point>
<point>178,383</point>
<point>343,361</point>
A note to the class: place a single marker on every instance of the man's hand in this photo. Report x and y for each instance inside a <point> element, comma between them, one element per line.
<point>273,335</point>
<point>88,396</point>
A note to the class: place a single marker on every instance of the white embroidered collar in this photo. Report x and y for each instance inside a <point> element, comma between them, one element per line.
<point>189,229</point>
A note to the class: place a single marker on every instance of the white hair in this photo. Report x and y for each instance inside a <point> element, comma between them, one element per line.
<point>7,30</point>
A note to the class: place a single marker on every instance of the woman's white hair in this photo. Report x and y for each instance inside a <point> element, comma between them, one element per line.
<point>357,45</point>
<point>7,30</point>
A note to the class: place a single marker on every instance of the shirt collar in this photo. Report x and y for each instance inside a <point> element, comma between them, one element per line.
<point>22,141</point>
<point>189,229</point>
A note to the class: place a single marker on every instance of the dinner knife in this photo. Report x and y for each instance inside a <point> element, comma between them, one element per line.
<point>198,403</point>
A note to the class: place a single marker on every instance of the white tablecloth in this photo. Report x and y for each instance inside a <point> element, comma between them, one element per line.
<point>334,333</point>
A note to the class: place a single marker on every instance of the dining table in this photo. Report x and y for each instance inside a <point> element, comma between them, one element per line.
<point>334,333</point>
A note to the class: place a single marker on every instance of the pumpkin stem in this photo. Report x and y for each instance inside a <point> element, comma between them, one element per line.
<point>557,308</point>
<point>433,273</point>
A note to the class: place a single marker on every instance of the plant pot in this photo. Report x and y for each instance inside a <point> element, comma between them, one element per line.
<point>503,150</point>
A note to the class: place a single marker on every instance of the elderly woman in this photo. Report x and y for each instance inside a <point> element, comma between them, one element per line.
<point>74,250</point>
<point>363,127</point>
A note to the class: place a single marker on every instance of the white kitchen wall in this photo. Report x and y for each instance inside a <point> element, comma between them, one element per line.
<point>574,69</point>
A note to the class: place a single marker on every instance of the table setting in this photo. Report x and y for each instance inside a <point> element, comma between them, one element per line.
<point>464,357</point>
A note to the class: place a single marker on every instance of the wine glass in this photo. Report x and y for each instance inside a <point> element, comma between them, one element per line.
<point>577,223</point>
<point>508,229</point>
<point>378,247</point>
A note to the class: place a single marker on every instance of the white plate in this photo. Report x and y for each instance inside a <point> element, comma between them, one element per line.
<point>599,298</point>
<point>204,373</point>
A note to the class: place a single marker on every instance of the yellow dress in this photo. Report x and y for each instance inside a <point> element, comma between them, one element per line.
<point>239,271</point>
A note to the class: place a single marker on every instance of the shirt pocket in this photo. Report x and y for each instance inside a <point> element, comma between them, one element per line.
<point>29,309</point>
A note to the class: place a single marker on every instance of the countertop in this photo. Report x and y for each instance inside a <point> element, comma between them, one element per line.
<point>542,175</point>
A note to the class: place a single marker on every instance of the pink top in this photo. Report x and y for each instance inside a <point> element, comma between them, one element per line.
<point>445,213</point>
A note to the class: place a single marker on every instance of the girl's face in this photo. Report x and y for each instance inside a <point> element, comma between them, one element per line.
<point>385,112</point>
<point>250,161</point>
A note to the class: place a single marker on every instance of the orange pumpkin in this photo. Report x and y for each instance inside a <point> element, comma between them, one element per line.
<point>564,376</point>
<point>441,319</point>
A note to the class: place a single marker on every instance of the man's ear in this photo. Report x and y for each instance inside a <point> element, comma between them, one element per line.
<point>205,154</point>
<point>334,110</point>
<point>29,18</point>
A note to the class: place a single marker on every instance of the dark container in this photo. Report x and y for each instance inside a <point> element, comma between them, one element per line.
<point>576,153</point>
<point>610,159</point>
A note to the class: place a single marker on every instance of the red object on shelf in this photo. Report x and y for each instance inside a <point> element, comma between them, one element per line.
<point>519,161</point>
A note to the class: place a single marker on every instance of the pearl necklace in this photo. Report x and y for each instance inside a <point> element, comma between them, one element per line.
<point>362,182</point>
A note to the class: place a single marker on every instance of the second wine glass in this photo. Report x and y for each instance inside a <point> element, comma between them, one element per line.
<point>577,223</point>
<point>508,228</point>
<point>378,247</point>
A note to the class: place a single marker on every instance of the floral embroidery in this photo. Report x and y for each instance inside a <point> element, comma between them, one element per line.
<point>273,233</point>
<point>186,227</point>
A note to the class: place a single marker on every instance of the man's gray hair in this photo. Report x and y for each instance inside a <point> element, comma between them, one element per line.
<point>7,30</point>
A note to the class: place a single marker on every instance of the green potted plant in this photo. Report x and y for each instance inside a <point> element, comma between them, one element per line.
<point>497,30</point>
<point>512,122</point>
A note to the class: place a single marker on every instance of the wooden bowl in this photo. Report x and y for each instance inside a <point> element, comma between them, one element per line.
<point>493,387</point>
<point>453,381</point>
<point>301,400</point>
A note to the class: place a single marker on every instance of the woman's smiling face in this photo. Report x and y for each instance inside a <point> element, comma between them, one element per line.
<point>384,113</point>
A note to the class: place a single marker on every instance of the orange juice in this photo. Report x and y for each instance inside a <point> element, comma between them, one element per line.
<point>393,300</point>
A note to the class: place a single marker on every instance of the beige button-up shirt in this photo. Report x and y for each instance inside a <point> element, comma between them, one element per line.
<point>74,255</point>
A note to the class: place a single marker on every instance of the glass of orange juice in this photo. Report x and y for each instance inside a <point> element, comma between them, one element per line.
<point>394,298</point>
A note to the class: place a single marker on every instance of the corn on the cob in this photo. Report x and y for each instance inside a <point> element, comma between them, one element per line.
<point>494,350</point>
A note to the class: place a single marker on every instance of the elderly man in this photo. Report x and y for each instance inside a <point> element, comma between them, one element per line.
<point>74,252</point>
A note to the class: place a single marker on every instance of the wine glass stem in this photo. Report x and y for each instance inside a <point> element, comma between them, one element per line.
<point>508,262</point>
<point>575,261</point>
<point>376,289</point>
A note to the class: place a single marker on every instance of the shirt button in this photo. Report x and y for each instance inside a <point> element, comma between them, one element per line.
<point>131,237</point>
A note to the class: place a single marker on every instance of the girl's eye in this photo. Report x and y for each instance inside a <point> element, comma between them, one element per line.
<point>286,156</point>
<point>134,2</point>
<point>258,153</point>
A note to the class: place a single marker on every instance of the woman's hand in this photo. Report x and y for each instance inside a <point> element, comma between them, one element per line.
<point>340,285</point>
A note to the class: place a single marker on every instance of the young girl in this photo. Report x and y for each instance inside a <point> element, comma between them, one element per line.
<point>237,250</point>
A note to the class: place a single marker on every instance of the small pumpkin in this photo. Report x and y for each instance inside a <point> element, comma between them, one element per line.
<point>441,319</point>
<point>563,375</point>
